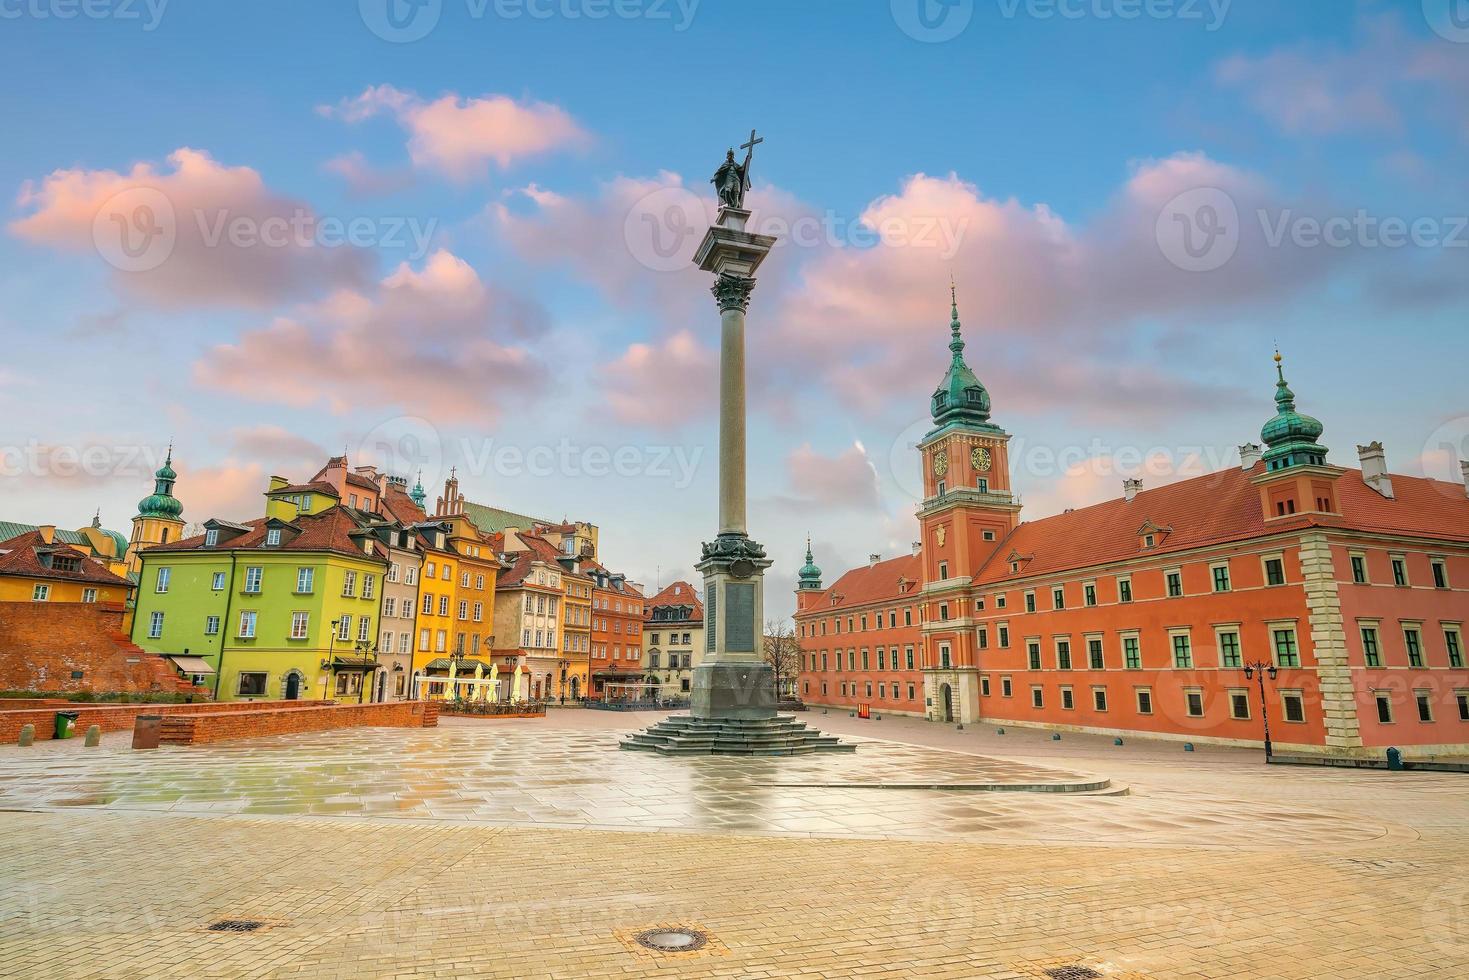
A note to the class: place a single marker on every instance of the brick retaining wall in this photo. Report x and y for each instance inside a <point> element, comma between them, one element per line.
<point>120,717</point>
<point>203,728</point>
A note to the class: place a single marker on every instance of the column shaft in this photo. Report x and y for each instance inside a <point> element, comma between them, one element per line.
<point>732,421</point>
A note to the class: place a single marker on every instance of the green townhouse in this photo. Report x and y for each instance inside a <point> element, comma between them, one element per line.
<point>279,608</point>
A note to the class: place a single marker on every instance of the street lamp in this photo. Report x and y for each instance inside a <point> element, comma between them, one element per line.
<point>563,664</point>
<point>331,660</point>
<point>1257,670</point>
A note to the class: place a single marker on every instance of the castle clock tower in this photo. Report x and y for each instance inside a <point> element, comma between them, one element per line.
<point>968,511</point>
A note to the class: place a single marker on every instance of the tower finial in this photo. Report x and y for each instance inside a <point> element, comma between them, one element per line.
<point>97,518</point>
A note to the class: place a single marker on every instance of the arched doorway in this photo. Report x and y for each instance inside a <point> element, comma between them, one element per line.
<point>946,702</point>
<point>293,686</point>
<point>382,687</point>
<point>575,687</point>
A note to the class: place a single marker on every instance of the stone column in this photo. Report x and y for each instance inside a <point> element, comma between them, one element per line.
<point>733,681</point>
<point>733,295</point>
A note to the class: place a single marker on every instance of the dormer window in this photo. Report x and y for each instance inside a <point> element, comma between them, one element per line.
<point>211,538</point>
<point>273,537</point>
<point>1149,540</point>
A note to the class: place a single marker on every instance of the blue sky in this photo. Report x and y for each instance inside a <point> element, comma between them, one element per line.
<point>1050,139</point>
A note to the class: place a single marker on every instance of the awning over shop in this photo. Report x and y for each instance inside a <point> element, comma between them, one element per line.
<point>191,665</point>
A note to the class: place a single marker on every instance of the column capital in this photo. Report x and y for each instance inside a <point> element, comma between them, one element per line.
<point>732,292</point>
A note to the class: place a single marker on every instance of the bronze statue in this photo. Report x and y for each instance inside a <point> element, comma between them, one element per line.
<point>732,179</point>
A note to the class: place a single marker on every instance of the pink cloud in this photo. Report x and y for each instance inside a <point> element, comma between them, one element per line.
<point>1365,87</point>
<point>363,179</point>
<point>232,491</point>
<point>662,385</point>
<point>847,479</point>
<point>437,339</point>
<point>168,233</point>
<point>461,137</point>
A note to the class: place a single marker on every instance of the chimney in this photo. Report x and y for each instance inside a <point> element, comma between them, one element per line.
<point>873,560</point>
<point>918,547</point>
<point>1464,469</point>
<point>1130,488</point>
<point>1374,468</point>
<point>1249,455</point>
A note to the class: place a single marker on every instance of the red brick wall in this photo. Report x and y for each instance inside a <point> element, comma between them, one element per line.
<point>43,643</point>
<point>197,729</point>
<point>120,717</point>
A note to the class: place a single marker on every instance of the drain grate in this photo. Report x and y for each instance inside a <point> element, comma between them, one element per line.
<point>1072,971</point>
<point>672,940</point>
<point>236,925</point>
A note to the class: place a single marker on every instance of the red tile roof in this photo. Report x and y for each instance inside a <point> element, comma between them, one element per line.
<point>400,507</point>
<point>313,487</point>
<point>1218,508</point>
<point>670,595</point>
<point>21,555</point>
<point>329,530</point>
<point>878,582</point>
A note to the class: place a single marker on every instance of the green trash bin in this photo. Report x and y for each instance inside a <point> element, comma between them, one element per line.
<point>66,723</point>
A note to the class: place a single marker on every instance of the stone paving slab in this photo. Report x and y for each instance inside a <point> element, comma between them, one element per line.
<point>484,774</point>
<point>1214,868</point>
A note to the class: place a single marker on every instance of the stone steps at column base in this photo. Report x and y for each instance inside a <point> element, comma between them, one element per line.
<point>685,735</point>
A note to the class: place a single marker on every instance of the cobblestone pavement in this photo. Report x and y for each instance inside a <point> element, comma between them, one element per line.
<point>1211,867</point>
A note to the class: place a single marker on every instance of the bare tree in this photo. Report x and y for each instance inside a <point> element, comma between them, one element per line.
<point>783,654</point>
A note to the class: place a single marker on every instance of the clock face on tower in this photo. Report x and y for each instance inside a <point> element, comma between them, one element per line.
<point>940,463</point>
<point>979,458</point>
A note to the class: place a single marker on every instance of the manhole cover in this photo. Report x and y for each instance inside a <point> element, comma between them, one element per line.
<point>1072,972</point>
<point>236,925</point>
<point>672,940</point>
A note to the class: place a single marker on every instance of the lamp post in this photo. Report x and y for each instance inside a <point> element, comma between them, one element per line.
<point>563,665</point>
<point>1257,670</point>
<point>331,660</point>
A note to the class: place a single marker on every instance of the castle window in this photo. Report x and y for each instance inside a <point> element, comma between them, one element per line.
<point>1399,570</point>
<point>943,570</point>
<point>1292,706</point>
<point>983,485</point>
<point>989,535</point>
<point>1359,569</point>
<point>1440,574</point>
<point>1144,701</point>
<point>1132,657</point>
<point>1371,653</point>
<point>1413,641</point>
<point>1124,590</point>
<point>1033,652</point>
<point>941,489</point>
<point>1454,645</point>
<point>1286,652</point>
<point>1068,700</point>
<point>1175,584</point>
<point>1221,578</point>
<point>1274,571</point>
<point>1007,687</point>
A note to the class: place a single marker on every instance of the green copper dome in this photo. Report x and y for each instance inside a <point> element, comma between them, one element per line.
<point>960,398</point>
<point>161,502</point>
<point>419,495</point>
<point>1290,437</point>
<point>809,577</point>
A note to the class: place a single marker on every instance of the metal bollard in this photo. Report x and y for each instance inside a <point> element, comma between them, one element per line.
<point>27,735</point>
<point>1188,746</point>
<point>1117,741</point>
<point>94,736</point>
<point>1055,736</point>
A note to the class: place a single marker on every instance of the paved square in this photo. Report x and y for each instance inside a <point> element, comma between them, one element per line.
<point>535,848</point>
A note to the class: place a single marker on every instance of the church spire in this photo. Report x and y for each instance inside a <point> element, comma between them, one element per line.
<point>809,577</point>
<point>960,398</point>
<point>1290,436</point>
<point>418,493</point>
